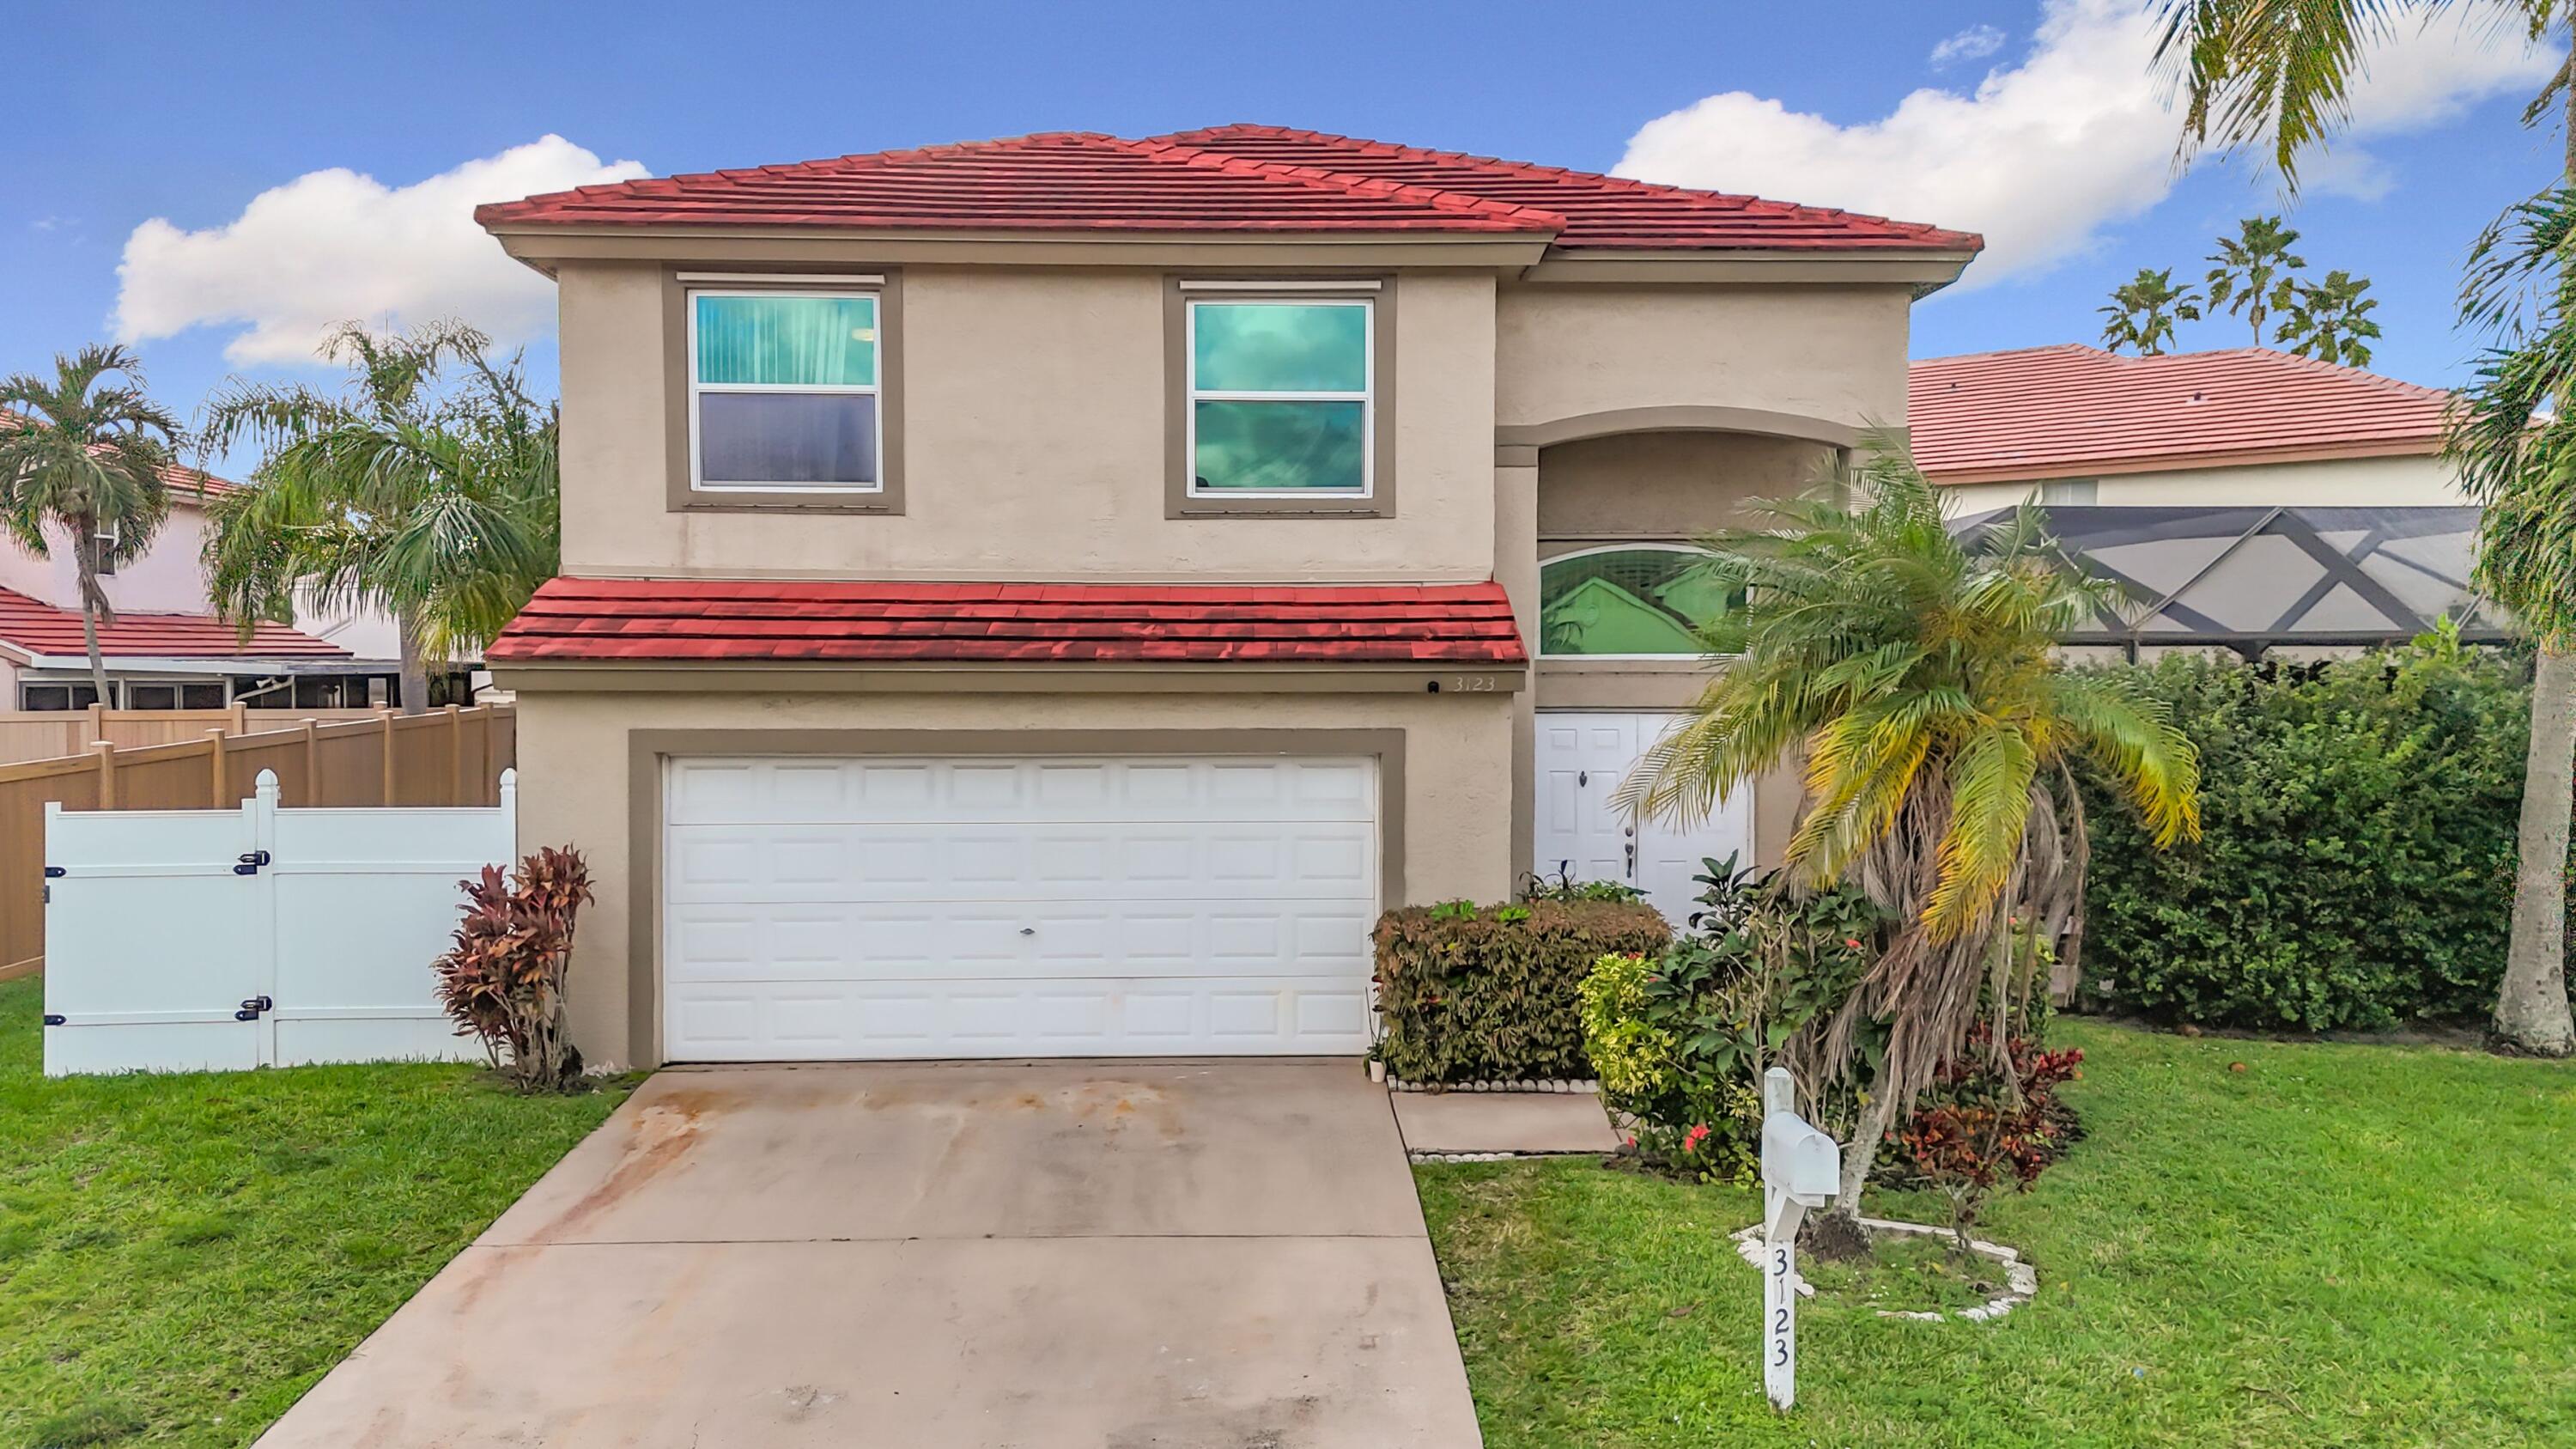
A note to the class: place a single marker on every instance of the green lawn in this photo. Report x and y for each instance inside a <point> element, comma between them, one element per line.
<point>181,1256</point>
<point>2344,1245</point>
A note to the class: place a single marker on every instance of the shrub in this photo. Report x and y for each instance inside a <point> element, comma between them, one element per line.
<point>1681,1040</point>
<point>1972,1130</point>
<point>1470,994</point>
<point>503,980</point>
<point>1562,886</point>
<point>2355,868</point>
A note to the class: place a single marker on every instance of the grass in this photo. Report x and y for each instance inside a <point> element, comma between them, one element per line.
<point>181,1256</point>
<point>2347,1245</point>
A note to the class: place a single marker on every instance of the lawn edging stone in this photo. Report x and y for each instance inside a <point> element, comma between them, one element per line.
<point>2021,1280</point>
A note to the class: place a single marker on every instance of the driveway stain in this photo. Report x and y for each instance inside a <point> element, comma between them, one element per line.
<point>660,1135</point>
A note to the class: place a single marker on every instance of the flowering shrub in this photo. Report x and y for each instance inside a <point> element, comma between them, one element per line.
<point>1978,1127</point>
<point>503,979</point>
<point>1680,1040</point>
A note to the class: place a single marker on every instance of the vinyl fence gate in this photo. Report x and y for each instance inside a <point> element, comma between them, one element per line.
<point>219,940</point>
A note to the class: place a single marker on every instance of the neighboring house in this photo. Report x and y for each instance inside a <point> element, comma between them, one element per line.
<point>2073,424</point>
<point>1046,596</point>
<point>166,649</point>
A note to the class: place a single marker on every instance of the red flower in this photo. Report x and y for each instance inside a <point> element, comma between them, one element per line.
<point>1852,941</point>
<point>1694,1137</point>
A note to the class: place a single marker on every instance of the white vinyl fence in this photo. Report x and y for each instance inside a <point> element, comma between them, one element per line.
<point>195,940</point>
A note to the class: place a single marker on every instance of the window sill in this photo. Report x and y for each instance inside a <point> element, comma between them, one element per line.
<point>1275,506</point>
<point>751,500</point>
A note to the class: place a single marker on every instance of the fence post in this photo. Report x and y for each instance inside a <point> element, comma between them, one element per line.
<point>455,755</point>
<point>215,780</point>
<point>312,763</point>
<point>241,718</point>
<point>97,725</point>
<point>106,752</point>
<point>385,723</point>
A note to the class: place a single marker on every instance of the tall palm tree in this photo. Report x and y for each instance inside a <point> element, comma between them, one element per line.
<point>2330,320</point>
<point>1915,672</point>
<point>2253,271</point>
<point>434,503</point>
<point>2143,311</point>
<point>82,454</point>
<point>2278,78</point>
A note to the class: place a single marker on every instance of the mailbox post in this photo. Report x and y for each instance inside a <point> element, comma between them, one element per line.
<point>1801,1168</point>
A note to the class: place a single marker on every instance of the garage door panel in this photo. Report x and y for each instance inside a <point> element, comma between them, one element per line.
<point>1329,860</point>
<point>768,792</point>
<point>1117,1017</point>
<point>874,908</point>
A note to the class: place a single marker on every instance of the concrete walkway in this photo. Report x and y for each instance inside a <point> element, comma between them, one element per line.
<point>1109,1255</point>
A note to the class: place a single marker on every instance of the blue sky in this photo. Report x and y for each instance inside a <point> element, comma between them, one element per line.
<point>186,113</point>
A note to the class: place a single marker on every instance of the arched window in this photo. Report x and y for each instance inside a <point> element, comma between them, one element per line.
<point>1628,601</point>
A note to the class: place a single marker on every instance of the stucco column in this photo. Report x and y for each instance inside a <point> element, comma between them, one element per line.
<point>1516,569</point>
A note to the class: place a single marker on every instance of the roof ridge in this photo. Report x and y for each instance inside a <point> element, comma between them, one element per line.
<point>1700,196</point>
<point>1347,183</point>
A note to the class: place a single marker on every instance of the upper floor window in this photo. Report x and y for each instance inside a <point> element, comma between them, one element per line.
<point>1281,397</point>
<point>1631,601</point>
<point>105,542</point>
<point>783,391</point>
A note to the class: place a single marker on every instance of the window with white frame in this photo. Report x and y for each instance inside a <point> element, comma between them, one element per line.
<point>1280,397</point>
<point>106,540</point>
<point>783,391</point>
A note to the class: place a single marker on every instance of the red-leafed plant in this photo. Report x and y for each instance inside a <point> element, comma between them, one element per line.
<point>1981,1125</point>
<point>503,980</point>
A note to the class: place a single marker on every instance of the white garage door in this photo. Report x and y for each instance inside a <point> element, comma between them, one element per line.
<point>854,908</point>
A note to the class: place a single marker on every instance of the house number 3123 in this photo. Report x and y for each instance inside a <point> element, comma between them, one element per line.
<point>1472,684</point>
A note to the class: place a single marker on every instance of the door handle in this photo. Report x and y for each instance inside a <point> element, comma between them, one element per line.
<point>1028,930</point>
<point>1582,778</point>
<point>1632,859</point>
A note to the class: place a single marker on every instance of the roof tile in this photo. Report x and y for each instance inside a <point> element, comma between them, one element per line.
<point>40,628</point>
<point>704,619</point>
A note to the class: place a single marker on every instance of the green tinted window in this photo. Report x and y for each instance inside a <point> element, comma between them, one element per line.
<point>1280,446</point>
<point>1299,347</point>
<point>1627,601</point>
<point>787,341</point>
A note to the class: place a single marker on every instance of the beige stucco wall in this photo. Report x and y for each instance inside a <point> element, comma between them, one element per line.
<point>574,773</point>
<point>1836,353</point>
<point>1665,485</point>
<point>1033,437</point>
<point>2423,481</point>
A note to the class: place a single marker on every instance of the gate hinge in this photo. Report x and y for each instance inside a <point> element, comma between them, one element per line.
<point>53,872</point>
<point>251,861</point>
<point>251,1009</point>
<point>55,1018</point>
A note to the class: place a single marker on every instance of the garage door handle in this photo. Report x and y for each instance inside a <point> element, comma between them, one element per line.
<point>1028,930</point>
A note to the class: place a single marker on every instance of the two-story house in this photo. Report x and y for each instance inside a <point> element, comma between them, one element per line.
<point>166,649</point>
<point>1045,596</point>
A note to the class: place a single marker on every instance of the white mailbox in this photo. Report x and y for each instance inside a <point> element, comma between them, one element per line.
<point>1801,1168</point>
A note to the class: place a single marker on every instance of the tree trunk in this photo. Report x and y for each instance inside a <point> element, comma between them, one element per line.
<point>415,670</point>
<point>97,664</point>
<point>2531,1013</point>
<point>93,602</point>
<point>1862,1154</point>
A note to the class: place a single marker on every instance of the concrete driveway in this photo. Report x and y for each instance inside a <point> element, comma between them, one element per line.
<point>1200,1255</point>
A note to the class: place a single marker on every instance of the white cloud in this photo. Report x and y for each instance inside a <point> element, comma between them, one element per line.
<point>1974,43</point>
<point>2042,155</point>
<point>334,245</point>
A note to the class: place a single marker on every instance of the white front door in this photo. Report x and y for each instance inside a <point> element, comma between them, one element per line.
<point>855,908</point>
<point>1582,758</point>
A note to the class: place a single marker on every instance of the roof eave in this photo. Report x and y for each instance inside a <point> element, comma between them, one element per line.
<point>1923,270</point>
<point>543,245</point>
<point>2430,446</point>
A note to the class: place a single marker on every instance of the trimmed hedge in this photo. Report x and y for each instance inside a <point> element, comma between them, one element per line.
<point>1471,993</point>
<point>2355,869</point>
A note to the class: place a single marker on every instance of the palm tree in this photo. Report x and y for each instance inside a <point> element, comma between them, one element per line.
<point>2261,74</point>
<point>436,505</point>
<point>2253,271</point>
<point>84,455</point>
<point>2330,320</point>
<point>2143,311</point>
<point>1915,671</point>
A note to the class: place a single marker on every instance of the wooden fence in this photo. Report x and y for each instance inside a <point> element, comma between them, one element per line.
<point>446,757</point>
<point>40,734</point>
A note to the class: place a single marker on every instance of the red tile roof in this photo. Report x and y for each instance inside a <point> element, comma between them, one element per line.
<point>1599,211</point>
<point>701,619</point>
<point>2073,410</point>
<point>40,628</point>
<point>1226,179</point>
